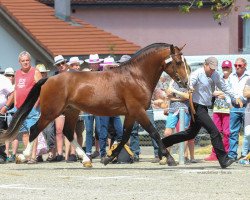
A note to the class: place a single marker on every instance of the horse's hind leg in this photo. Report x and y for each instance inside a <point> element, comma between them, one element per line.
<point>71,117</point>
<point>34,132</point>
<point>127,128</point>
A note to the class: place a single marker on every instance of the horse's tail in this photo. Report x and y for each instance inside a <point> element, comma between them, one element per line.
<point>18,118</point>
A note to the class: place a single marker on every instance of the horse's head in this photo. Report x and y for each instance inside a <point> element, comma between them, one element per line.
<point>176,66</point>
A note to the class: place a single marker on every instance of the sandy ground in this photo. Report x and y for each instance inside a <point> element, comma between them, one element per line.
<point>143,180</point>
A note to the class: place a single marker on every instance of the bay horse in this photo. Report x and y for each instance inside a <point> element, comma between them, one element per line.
<point>126,90</point>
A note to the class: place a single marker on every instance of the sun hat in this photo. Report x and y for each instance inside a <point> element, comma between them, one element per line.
<point>41,68</point>
<point>59,59</point>
<point>74,60</point>
<point>109,61</point>
<point>212,62</point>
<point>124,58</point>
<point>93,58</point>
<point>9,71</point>
<point>226,64</point>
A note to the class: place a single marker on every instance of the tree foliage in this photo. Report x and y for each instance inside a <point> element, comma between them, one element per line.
<point>219,8</point>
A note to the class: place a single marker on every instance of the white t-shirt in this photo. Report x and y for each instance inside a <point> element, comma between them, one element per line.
<point>5,89</point>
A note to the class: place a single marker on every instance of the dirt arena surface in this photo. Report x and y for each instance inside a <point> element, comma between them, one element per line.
<point>143,180</point>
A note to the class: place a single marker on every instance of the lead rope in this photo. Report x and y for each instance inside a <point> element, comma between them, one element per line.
<point>190,92</point>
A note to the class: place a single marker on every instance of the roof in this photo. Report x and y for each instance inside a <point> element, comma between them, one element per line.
<point>59,37</point>
<point>131,3</point>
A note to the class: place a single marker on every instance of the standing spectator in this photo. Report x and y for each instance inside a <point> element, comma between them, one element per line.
<point>94,65</point>
<point>246,146</point>
<point>6,99</point>
<point>179,99</point>
<point>238,81</point>
<point>221,111</point>
<point>25,79</point>
<point>201,82</point>
<point>70,152</point>
<point>60,63</point>
<point>49,131</point>
<point>10,74</point>
<point>108,63</point>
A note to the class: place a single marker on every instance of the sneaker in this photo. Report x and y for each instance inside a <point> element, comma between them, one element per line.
<point>72,158</point>
<point>2,160</point>
<point>155,160</point>
<point>186,160</point>
<point>102,159</point>
<point>11,158</point>
<point>39,158</point>
<point>193,161</point>
<point>32,161</point>
<point>136,158</point>
<point>59,158</point>
<point>211,158</point>
<point>95,154</point>
<point>90,157</point>
<point>244,162</point>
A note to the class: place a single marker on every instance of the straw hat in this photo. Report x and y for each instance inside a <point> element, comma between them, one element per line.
<point>93,58</point>
<point>74,60</point>
<point>41,68</point>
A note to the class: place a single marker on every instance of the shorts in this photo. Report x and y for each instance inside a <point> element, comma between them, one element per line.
<point>30,120</point>
<point>172,120</point>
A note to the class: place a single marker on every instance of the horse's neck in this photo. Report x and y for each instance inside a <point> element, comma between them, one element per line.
<point>151,74</point>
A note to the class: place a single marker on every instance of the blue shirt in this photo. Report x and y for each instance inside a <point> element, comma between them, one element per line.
<point>204,86</point>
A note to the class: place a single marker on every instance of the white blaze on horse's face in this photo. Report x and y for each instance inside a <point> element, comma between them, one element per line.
<point>169,60</point>
<point>178,79</point>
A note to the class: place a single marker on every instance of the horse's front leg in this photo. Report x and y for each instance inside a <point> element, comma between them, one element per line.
<point>127,128</point>
<point>164,155</point>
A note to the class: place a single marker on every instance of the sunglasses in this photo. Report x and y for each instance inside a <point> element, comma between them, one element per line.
<point>238,65</point>
<point>9,75</point>
<point>59,64</point>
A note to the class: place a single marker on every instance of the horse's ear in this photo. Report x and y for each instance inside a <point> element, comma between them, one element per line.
<point>172,51</point>
<point>182,47</point>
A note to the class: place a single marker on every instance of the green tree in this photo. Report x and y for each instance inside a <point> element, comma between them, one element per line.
<point>219,8</point>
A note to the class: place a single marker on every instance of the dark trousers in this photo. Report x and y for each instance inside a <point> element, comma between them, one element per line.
<point>3,125</point>
<point>202,119</point>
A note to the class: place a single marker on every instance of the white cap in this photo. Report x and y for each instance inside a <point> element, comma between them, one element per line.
<point>9,71</point>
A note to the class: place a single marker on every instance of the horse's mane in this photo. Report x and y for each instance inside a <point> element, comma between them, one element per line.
<point>144,51</point>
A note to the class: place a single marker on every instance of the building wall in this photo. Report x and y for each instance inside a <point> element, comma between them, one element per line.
<point>201,34</point>
<point>9,50</point>
<point>12,44</point>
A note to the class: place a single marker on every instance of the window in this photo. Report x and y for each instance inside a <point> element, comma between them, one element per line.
<point>244,34</point>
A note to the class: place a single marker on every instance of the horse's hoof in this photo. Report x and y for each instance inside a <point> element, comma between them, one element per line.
<point>20,159</point>
<point>163,161</point>
<point>171,161</point>
<point>106,160</point>
<point>87,164</point>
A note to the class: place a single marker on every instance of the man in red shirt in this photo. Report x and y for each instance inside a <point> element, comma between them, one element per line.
<point>25,79</point>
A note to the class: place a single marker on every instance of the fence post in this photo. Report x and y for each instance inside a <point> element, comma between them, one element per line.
<point>182,144</point>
